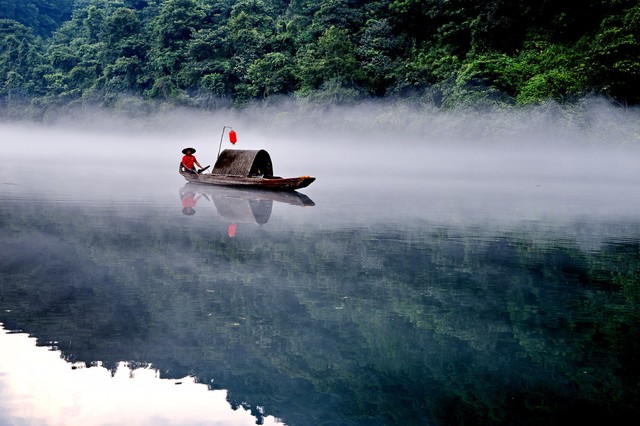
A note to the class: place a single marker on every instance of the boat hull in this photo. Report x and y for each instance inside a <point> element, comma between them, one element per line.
<point>215,192</point>
<point>274,183</point>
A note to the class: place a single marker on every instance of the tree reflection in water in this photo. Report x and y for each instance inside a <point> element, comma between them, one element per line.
<point>405,322</point>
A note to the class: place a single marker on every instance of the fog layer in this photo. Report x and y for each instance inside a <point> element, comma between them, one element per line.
<point>588,150</point>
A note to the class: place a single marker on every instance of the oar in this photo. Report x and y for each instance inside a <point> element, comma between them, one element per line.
<point>197,171</point>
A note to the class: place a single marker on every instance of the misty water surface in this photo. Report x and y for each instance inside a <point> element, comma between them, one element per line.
<point>459,269</point>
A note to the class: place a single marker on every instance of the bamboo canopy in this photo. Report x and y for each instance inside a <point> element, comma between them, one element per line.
<point>242,162</point>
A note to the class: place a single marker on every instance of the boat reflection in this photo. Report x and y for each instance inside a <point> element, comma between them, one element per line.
<point>239,205</point>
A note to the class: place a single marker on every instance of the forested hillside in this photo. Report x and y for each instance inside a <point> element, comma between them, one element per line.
<point>208,53</point>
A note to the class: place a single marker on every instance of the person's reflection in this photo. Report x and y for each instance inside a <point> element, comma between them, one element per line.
<point>189,200</point>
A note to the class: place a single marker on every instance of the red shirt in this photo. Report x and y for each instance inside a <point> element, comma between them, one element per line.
<point>188,161</point>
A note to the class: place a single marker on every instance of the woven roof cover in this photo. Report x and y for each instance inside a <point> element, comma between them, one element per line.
<point>242,162</point>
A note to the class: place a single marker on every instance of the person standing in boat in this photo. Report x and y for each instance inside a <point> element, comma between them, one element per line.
<point>189,161</point>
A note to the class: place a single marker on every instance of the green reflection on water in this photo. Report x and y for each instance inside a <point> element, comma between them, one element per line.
<point>406,323</point>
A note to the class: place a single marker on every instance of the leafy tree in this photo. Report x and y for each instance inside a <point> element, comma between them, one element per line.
<point>425,67</point>
<point>208,67</point>
<point>615,53</point>
<point>20,63</point>
<point>550,71</point>
<point>343,14</point>
<point>299,16</point>
<point>377,54</point>
<point>566,21</point>
<point>250,29</point>
<point>124,50</point>
<point>42,16</point>
<point>272,74</point>
<point>120,25</point>
<point>434,22</point>
<point>173,29</point>
<point>331,64</point>
<point>73,56</point>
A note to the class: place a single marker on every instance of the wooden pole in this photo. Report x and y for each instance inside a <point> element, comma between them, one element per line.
<point>222,136</point>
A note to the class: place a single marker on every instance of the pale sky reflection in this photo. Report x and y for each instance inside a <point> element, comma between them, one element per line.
<point>37,387</point>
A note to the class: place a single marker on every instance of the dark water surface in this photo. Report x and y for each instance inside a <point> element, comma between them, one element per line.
<point>371,301</point>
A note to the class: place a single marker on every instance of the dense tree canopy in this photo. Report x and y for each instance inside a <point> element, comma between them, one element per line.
<point>43,16</point>
<point>207,52</point>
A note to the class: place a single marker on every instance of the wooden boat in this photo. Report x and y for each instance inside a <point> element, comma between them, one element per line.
<point>246,169</point>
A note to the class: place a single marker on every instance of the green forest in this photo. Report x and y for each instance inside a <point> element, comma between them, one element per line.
<point>61,54</point>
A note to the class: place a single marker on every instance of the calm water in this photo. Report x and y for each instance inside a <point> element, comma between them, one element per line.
<point>390,301</point>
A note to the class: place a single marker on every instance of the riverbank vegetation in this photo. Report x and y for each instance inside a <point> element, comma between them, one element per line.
<point>136,54</point>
